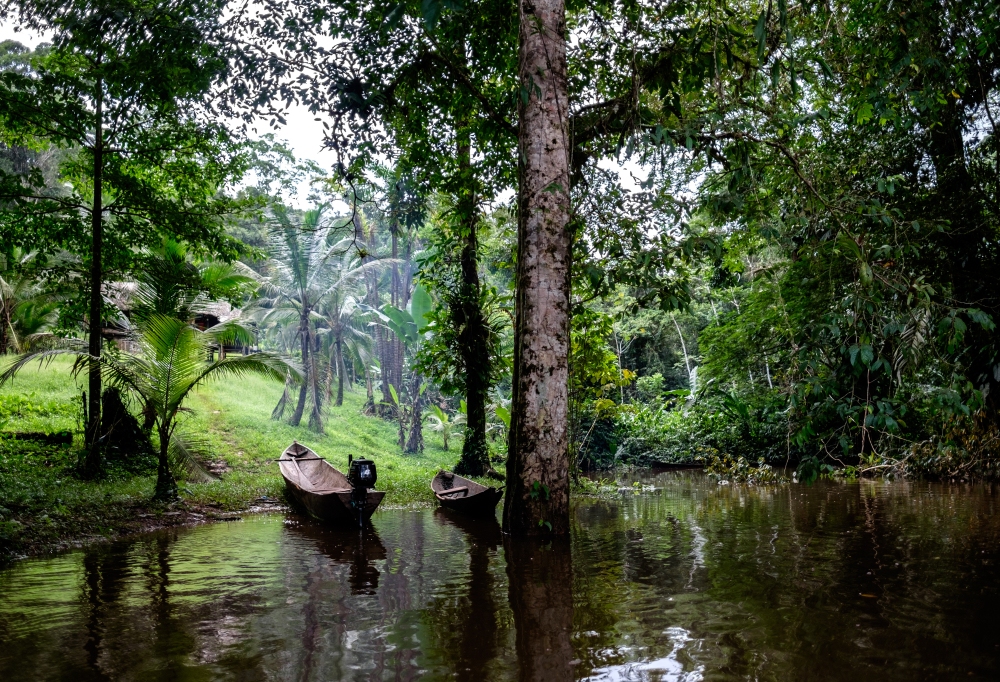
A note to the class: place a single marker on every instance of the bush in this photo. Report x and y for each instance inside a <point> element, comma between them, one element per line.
<point>751,425</point>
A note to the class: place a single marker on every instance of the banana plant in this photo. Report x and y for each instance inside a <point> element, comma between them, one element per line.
<point>409,326</point>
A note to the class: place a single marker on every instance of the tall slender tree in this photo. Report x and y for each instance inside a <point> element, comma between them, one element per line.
<point>122,83</point>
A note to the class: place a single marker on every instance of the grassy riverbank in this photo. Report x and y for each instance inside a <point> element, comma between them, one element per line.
<point>44,506</point>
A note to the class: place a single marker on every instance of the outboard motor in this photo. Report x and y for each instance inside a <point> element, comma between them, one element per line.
<point>361,474</point>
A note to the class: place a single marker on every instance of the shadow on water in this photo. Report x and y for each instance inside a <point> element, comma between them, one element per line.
<point>684,581</point>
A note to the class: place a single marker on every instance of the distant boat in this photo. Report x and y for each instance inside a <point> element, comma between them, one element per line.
<point>323,491</point>
<point>462,495</point>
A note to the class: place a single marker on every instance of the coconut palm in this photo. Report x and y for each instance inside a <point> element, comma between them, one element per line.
<point>313,283</point>
<point>342,310</point>
<point>169,364</point>
<point>26,312</point>
<point>292,293</point>
<point>173,283</point>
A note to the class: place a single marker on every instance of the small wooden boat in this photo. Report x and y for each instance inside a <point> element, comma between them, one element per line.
<point>462,495</point>
<point>323,491</point>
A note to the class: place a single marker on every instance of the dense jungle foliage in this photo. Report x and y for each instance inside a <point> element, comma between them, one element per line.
<point>785,222</point>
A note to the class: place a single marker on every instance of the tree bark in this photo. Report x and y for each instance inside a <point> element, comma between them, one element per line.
<point>340,371</point>
<point>166,487</point>
<point>316,411</point>
<point>469,318</point>
<point>304,389</point>
<point>385,409</point>
<point>537,499</point>
<point>92,466</point>
<point>415,442</point>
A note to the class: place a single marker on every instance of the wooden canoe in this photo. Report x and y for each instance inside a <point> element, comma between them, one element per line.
<point>320,489</point>
<point>465,496</point>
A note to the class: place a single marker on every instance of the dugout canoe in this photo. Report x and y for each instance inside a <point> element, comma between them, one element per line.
<point>462,495</point>
<point>320,489</point>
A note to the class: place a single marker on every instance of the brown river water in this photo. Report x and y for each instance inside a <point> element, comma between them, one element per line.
<point>683,579</point>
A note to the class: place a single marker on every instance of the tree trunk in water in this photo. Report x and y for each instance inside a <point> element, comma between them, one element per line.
<point>537,499</point>
<point>92,466</point>
<point>473,339</point>
<point>415,443</point>
<point>340,371</point>
<point>304,389</point>
<point>540,587</point>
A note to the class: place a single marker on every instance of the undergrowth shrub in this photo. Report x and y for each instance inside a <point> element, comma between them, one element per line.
<point>752,426</point>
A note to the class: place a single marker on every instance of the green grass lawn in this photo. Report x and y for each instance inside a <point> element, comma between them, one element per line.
<point>234,419</point>
<point>44,505</point>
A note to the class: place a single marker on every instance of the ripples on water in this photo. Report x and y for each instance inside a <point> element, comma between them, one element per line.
<point>691,581</point>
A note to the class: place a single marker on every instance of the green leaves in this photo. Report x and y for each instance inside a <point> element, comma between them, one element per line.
<point>408,326</point>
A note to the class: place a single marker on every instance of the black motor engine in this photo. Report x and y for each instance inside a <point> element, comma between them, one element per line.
<point>362,475</point>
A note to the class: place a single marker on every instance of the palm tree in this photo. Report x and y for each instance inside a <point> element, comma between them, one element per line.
<point>173,283</point>
<point>313,283</point>
<point>298,255</point>
<point>341,308</point>
<point>169,364</point>
<point>26,313</point>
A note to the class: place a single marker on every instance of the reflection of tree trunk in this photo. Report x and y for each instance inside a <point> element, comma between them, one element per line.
<point>169,638</point>
<point>104,573</point>
<point>415,443</point>
<point>479,631</point>
<point>311,625</point>
<point>468,315</point>
<point>541,596</point>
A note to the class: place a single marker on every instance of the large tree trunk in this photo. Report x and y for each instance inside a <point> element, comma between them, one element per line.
<point>304,389</point>
<point>469,317</point>
<point>92,466</point>
<point>537,499</point>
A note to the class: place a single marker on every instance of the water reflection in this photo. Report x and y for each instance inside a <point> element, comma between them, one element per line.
<point>689,581</point>
<point>541,596</point>
<point>359,549</point>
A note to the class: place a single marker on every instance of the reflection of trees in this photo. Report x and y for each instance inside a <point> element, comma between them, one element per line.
<point>540,589</point>
<point>171,638</point>
<point>358,549</point>
<point>105,570</point>
<point>472,620</point>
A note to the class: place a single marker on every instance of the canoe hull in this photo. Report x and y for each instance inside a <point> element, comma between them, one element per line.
<point>320,490</point>
<point>333,508</point>
<point>469,498</point>
<point>482,505</point>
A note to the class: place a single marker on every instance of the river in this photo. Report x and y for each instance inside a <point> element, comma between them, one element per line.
<point>678,579</point>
